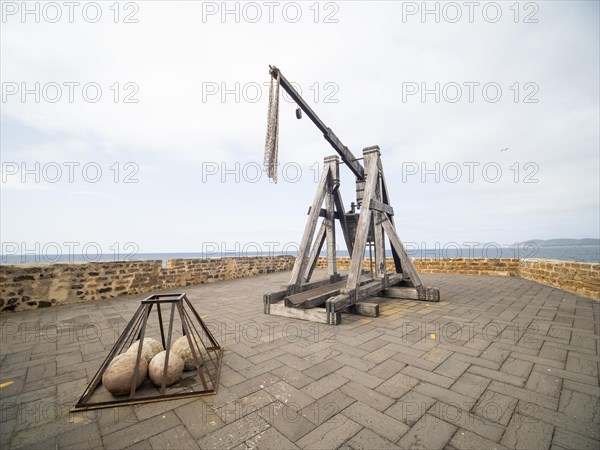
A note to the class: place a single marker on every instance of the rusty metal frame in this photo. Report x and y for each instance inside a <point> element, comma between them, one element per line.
<point>193,327</point>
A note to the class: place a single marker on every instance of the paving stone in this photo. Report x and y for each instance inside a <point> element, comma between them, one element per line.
<point>322,369</point>
<point>286,421</point>
<point>495,407</point>
<point>235,433</point>
<point>366,395</point>
<point>428,433</point>
<point>430,377</point>
<point>295,362</point>
<point>292,376</point>
<point>241,407</point>
<point>461,418</point>
<point>269,354</point>
<point>357,363</point>
<point>496,375</point>
<point>584,341</point>
<point>474,353</point>
<point>410,408</point>
<point>326,407</point>
<point>141,445</point>
<point>495,353</point>
<point>270,439</point>
<point>331,434</point>
<point>253,384</point>
<point>452,367</point>
<point>544,384</point>
<point>141,430</point>
<point>549,352</point>
<point>567,374</point>
<point>398,385</point>
<point>176,438</point>
<point>527,434</point>
<point>581,387</point>
<point>465,440</point>
<point>259,369</point>
<point>230,377</point>
<point>111,420</point>
<point>415,361</point>
<point>517,367</point>
<point>382,353</point>
<point>199,419</point>
<point>235,361</point>
<point>289,395</point>
<point>578,365</point>
<point>358,376</point>
<point>387,369</point>
<point>570,348</point>
<point>540,414</point>
<point>447,396</point>
<point>147,410</point>
<point>437,355</point>
<point>538,360</point>
<point>382,424</point>
<point>83,437</point>
<point>586,356</point>
<point>568,440</point>
<point>471,385</point>
<point>320,356</point>
<point>323,386</point>
<point>580,406</point>
<point>365,439</point>
<point>524,394</point>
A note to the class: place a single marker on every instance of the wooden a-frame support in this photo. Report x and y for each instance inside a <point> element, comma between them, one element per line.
<point>305,300</point>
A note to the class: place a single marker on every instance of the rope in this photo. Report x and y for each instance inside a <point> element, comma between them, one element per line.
<point>272,140</point>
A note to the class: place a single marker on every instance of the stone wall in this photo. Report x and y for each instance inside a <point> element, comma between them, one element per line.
<point>580,278</point>
<point>30,286</point>
<point>467,266</point>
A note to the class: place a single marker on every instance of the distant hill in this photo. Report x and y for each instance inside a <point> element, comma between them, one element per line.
<point>562,242</point>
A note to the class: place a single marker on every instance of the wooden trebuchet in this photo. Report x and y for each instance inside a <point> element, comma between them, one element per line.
<point>325,300</point>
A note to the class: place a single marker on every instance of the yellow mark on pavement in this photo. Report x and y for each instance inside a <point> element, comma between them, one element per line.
<point>79,419</point>
<point>8,383</point>
<point>432,336</point>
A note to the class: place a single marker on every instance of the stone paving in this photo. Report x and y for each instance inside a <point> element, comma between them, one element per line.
<point>499,363</point>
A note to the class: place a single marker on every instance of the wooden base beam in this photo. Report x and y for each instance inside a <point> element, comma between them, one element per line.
<point>408,293</point>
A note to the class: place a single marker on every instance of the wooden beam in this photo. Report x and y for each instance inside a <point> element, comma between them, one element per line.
<point>364,219</point>
<point>427,294</point>
<point>314,315</point>
<point>341,215</point>
<point>407,266</point>
<point>313,297</point>
<point>382,207</point>
<point>323,213</point>
<point>315,252</point>
<point>330,219</point>
<point>380,269</point>
<point>367,309</point>
<point>328,134</point>
<point>385,198</point>
<point>301,259</point>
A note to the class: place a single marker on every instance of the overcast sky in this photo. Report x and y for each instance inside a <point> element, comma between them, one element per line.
<point>145,123</point>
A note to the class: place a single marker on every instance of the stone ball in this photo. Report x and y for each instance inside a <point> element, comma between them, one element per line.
<point>150,348</point>
<point>174,369</point>
<point>119,373</point>
<point>181,348</point>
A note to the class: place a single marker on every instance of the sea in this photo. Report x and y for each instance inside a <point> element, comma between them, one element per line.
<point>577,253</point>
